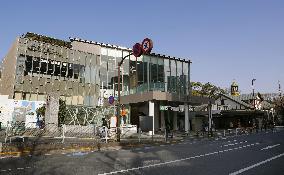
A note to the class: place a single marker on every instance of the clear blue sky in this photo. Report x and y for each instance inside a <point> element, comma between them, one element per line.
<point>225,40</point>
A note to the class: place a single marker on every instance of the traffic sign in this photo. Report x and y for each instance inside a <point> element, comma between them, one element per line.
<point>111,99</point>
<point>147,45</point>
<point>137,50</point>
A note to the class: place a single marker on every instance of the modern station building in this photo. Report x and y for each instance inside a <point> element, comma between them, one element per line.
<point>85,74</point>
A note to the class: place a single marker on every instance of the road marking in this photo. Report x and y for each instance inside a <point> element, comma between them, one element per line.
<point>269,147</point>
<point>47,154</point>
<point>232,141</point>
<point>174,161</point>
<point>255,165</point>
<point>20,168</point>
<point>232,144</point>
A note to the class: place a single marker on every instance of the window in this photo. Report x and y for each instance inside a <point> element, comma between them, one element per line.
<point>76,71</point>
<point>173,77</point>
<point>167,72</point>
<point>29,64</point>
<point>82,74</point>
<point>57,68</point>
<point>153,70</point>
<point>50,67</point>
<point>64,69</point>
<point>140,72</point>
<point>36,65</point>
<point>70,70</point>
<point>43,66</point>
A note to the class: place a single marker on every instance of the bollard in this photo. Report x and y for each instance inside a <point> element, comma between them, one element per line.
<point>106,133</point>
<point>236,131</point>
<point>139,135</point>
<point>1,145</point>
<point>166,135</point>
<point>224,133</point>
<point>63,133</point>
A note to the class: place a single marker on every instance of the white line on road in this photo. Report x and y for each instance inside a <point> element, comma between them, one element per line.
<point>257,164</point>
<point>269,147</point>
<point>232,144</point>
<point>178,160</point>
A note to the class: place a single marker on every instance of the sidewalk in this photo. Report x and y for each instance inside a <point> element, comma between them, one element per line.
<point>40,146</point>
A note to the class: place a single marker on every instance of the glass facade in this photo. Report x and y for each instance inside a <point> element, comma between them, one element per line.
<point>51,68</point>
<point>90,79</point>
<point>142,74</point>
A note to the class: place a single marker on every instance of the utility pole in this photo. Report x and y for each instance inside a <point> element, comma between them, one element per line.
<point>253,92</point>
<point>279,88</point>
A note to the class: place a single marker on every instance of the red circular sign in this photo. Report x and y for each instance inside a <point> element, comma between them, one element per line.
<point>147,45</point>
<point>137,50</point>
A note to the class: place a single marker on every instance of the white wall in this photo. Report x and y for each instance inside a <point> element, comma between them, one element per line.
<point>6,108</point>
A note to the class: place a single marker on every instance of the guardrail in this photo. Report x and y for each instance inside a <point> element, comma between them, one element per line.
<point>30,131</point>
<point>244,130</point>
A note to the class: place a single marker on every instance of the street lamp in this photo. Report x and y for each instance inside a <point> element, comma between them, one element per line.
<point>137,50</point>
<point>253,92</point>
<point>118,100</point>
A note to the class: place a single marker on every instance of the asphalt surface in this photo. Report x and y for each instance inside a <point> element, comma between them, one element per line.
<point>258,153</point>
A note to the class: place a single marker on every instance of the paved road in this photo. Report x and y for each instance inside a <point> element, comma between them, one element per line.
<point>261,153</point>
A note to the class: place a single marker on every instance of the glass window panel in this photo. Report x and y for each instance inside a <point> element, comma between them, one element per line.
<point>103,71</point>
<point>70,70</point>
<point>173,78</point>
<point>167,72</point>
<point>180,85</point>
<point>36,65</point>
<point>153,73</point>
<point>185,73</point>
<point>140,74</point>
<point>88,74</point>
<point>76,70</point>
<point>64,68</point>
<point>43,66</point>
<point>28,65</point>
<point>51,65</point>
<point>161,77</point>
<point>57,68</point>
<point>82,74</point>
<point>111,72</point>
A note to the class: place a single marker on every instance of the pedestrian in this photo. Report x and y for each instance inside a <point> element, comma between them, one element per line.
<point>231,125</point>
<point>104,123</point>
<point>265,125</point>
<point>256,125</point>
